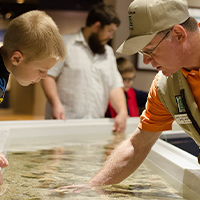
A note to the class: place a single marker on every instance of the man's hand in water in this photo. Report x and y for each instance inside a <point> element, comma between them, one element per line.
<point>73,188</point>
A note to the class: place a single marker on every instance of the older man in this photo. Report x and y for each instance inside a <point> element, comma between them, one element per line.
<point>169,39</point>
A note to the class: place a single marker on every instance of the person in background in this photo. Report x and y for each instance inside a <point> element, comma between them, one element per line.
<point>31,46</point>
<point>168,37</point>
<point>80,86</point>
<point>135,99</point>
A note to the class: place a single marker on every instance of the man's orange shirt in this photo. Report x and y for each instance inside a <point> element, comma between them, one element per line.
<point>155,117</point>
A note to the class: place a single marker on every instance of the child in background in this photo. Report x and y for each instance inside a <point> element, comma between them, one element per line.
<point>32,44</point>
<point>135,99</point>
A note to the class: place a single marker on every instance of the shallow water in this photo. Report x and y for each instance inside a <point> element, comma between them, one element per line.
<point>34,175</point>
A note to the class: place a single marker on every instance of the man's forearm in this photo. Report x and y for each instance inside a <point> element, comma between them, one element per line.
<point>118,100</point>
<point>50,90</point>
<point>126,158</point>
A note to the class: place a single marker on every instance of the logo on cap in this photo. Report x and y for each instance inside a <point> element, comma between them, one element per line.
<point>130,23</point>
<point>130,20</point>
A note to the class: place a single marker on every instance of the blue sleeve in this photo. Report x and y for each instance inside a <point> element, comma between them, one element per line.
<point>141,97</point>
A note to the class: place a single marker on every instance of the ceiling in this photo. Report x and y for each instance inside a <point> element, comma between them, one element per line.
<point>10,9</point>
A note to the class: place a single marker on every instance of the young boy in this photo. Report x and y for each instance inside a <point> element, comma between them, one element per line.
<point>135,99</point>
<point>32,44</point>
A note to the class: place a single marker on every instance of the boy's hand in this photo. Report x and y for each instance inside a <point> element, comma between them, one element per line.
<point>3,161</point>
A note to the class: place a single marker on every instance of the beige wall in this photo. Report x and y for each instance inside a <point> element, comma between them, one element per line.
<point>194,3</point>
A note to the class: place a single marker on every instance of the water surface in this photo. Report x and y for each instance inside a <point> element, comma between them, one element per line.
<point>34,175</point>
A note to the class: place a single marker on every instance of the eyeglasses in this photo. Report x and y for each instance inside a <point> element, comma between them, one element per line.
<point>149,54</point>
<point>128,80</point>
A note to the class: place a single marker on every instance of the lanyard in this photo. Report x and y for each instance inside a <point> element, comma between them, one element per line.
<point>196,126</point>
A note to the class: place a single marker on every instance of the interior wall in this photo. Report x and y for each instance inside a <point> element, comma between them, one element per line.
<point>194,3</point>
<point>31,99</point>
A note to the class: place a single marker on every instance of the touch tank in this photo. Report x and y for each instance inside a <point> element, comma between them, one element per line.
<point>44,155</point>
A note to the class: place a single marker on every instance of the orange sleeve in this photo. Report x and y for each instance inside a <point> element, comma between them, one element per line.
<point>155,118</point>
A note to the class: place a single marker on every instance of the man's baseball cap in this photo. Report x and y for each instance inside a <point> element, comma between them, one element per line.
<point>148,17</point>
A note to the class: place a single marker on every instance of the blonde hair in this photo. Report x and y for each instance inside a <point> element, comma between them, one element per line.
<point>35,35</point>
<point>124,65</point>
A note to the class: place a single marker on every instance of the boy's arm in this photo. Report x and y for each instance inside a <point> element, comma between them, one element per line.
<point>50,90</point>
<point>126,158</point>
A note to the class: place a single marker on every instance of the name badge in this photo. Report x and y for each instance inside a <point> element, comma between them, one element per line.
<point>182,119</point>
